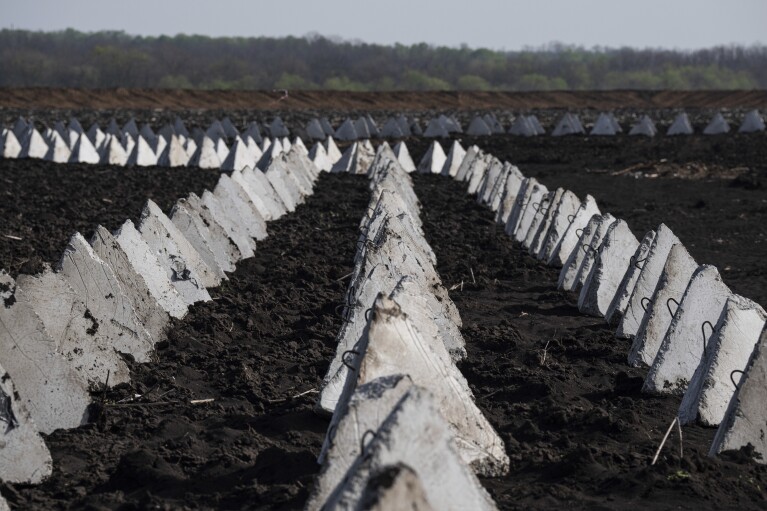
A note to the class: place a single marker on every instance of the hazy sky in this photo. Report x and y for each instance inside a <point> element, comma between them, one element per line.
<point>509,24</point>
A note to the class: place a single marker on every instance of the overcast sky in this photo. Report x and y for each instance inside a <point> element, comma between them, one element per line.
<point>497,24</point>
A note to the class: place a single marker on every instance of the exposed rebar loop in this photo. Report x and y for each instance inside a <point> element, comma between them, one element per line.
<point>703,329</point>
<point>668,306</point>
<point>732,378</point>
<point>642,303</point>
<point>345,362</point>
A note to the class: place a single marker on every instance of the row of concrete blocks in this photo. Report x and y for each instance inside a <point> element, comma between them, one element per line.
<point>701,341</point>
<point>168,148</point>
<point>64,332</point>
<point>405,432</point>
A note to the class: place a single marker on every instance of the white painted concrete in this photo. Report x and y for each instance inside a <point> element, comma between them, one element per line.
<point>626,287</point>
<point>564,215</point>
<point>571,237</point>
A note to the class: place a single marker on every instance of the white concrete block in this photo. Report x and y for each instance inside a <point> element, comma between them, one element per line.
<point>571,237</point>
<point>284,186</point>
<point>393,346</point>
<point>509,194</point>
<point>260,184</point>
<point>262,205</point>
<point>224,248</point>
<point>564,215</point>
<point>231,224</point>
<point>477,172</point>
<point>145,263</point>
<point>72,328</point>
<point>34,146</point>
<point>334,154</point>
<point>500,186</point>
<point>319,156</point>
<point>687,339</point>
<point>647,281</point>
<point>433,161</point>
<point>55,395</point>
<point>612,261</point>
<point>96,284</point>
<point>518,206</point>
<point>206,155</point>
<point>59,151</point>
<point>546,212</point>
<point>576,269</point>
<point>489,182</point>
<point>661,308</point>
<point>83,151</point>
<point>181,262</point>
<point>412,435</point>
<point>745,421</point>
<point>716,378</point>
<point>11,147</point>
<point>531,207</point>
<point>454,159</point>
<point>404,158</point>
<point>24,458</point>
<point>174,154</point>
<point>626,287</point>
<point>142,155</point>
<point>234,197</point>
<point>149,312</point>
<point>472,153</point>
<point>197,233</point>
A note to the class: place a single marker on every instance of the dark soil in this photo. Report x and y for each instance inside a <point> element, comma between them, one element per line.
<point>554,383</point>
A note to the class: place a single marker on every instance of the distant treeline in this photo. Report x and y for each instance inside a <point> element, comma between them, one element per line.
<point>115,59</point>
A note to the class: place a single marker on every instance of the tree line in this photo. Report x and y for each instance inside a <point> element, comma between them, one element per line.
<point>115,59</point>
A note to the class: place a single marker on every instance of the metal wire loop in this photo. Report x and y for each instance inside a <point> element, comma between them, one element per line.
<point>344,361</point>
<point>703,329</point>
<point>586,248</point>
<point>732,378</point>
<point>579,232</point>
<point>642,302</point>
<point>570,218</point>
<point>367,314</point>
<point>364,438</point>
<point>637,261</point>
<point>668,306</point>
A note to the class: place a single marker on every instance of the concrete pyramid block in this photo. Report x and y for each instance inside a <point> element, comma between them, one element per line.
<point>34,146</point>
<point>302,170</point>
<point>433,160</point>
<point>564,215</point>
<point>314,130</point>
<point>278,129</point>
<point>131,128</point>
<point>58,150</point>
<point>496,128</point>
<point>284,189</point>
<point>55,395</point>
<point>490,182</point>
<point>522,127</point>
<point>626,287</point>
<point>83,151</point>
<point>332,149</point>
<point>533,200</point>
<point>128,142</point>
<point>436,129</point>
<point>233,196</point>
<point>612,261</point>
<point>349,161</point>
<point>116,322</point>
<point>206,156</point>
<point>454,158</point>
<point>95,134</point>
<point>479,128</point>
<point>143,154</point>
<point>649,275</point>
<point>472,154</point>
<point>569,275</point>
<point>347,131</point>
<point>229,129</point>
<point>571,238</point>
<point>239,156</point>
<point>605,125</point>
<point>687,339</point>
<point>114,153</point>
<point>224,248</point>
<point>450,123</point>
<point>72,328</point>
<point>319,157</point>
<point>715,381</point>
<point>444,481</point>
<point>569,124</point>
<point>263,205</point>
<point>174,154</point>
<point>680,126</point>
<point>477,172</point>
<point>24,457</point>
<point>498,189</point>
<point>673,282</point>
<point>394,486</point>
<point>403,157</point>
<point>148,135</point>
<point>752,123</point>
<point>224,216</point>
<point>183,265</point>
<point>644,127</point>
<point>151,315</point>
<point>113,128</point>
<point>546,212</point>
<point>260,185</point>
<point>717,125</point>
<point>745,421</point>
<point>392,129</point>
<point>221,149</point>
<point>394,346</point>
<point>540,209</point>
<point>11,148</point>
<point>197,233</point>
<point>519,205</point>
<point>362,129</point>
<point>294,183</point>
<point>146,264</point>
<point>511,188</point>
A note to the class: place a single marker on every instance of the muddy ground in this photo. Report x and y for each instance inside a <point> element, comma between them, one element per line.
<point>553,382</point>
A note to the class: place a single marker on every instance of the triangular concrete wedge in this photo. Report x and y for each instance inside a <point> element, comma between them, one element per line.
<point>454,158</point>
<point>197,233</point>
<point>174,154</point>
<point>571,237</point>
<point>645,127</point>
<point>206,155</point>
<point>499,188</point>
<point>142,155</point>
<point>647,282</point>
<point>145,263</point>
<point>233,196</point>
<point>490,182</point>
<point>225,250</point>
<point>54,393</point>
<point>511,190</point>
<point>415,435</point>
<point>319,157</point>
<point>149,312</point>
<point>263,206</point>
<point>687,339</point>
<point>542,221</point>
<point>347,131</point>
<point>34,146</point>
<point>114,153</point>
<point>577,268</point>
<point>24,457</point>
<point>464,170</point>
<point>239,156</point>
<point>59,151</point>
<point>231,224</point>
<point>564,215</point>
<point>83,151</point>
<point>314,130</point>
<point>716,378</point>
<point>334,154</point>
<point>662,306</point>
<point>404,158</point>
<point>478,128</point>
<point>281,168</point>
<point>603,126</point>
<point>477,172</point>
<point>117,324</point>
<point>612,261</point>
<point>534,195</point>
<point>72,328</point>
<point>436,129</point>
<point>717,126</point>
<point>392,129</point>
<point>680,126</point>
<point>518,206</point>
<point>522,127</point>
<point>629,280</point>
<point>752,123</point>
<point>745,421</point>
<point>393,346</point>
<point>281,188</point>
<point>183,265</point>
<point>394,487</point>
<point>260,185</point>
